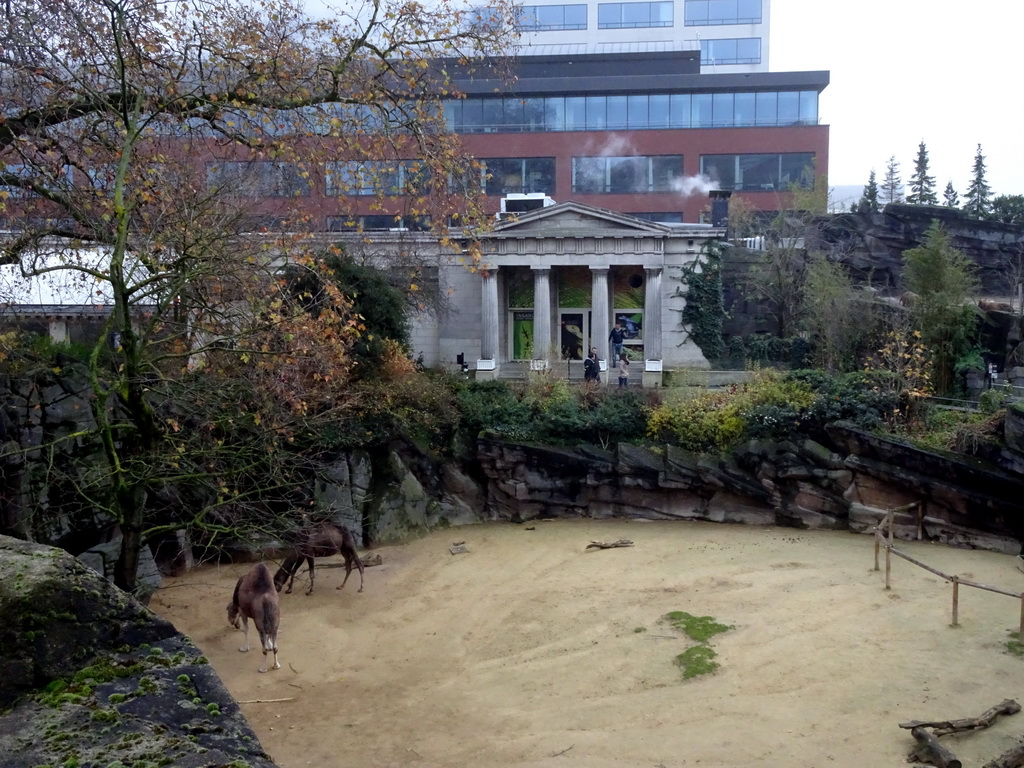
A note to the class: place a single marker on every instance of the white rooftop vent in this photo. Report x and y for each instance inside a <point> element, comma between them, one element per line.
<point>517,202</point>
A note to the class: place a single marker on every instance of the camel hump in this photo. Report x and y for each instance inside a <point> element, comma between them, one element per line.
<point>262,581</point>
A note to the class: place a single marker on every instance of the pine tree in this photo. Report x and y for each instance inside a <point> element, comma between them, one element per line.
<point>977,202</point>
<point>922,186</point>
<point>892,184</point>
<point>950,198</point>
<point>869,200</point>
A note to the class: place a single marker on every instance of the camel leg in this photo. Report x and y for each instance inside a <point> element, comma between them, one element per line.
<point>348,572</point>
<point>271,645</point>
<point>245,632</point>
<point>291,579</point>
<point>312,576</point>
<point>268,644</point>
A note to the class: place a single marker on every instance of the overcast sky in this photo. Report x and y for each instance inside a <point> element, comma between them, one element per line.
<point>903,71</point>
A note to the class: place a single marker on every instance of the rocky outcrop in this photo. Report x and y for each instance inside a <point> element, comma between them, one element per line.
<point>871,246</point>
<point>89,676</point>
<point>846,485</point>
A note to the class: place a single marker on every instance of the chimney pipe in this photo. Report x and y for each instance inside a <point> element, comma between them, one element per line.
<point>720,207</point>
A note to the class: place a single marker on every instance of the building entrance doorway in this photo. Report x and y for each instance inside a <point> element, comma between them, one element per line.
<point>574,339</point>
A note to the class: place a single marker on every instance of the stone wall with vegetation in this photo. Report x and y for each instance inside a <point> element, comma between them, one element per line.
<point>847,484</point>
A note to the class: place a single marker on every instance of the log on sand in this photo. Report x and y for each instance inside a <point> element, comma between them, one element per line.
<point>610,544</point>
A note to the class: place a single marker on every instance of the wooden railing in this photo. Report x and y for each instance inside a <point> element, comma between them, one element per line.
<point>884,538</point>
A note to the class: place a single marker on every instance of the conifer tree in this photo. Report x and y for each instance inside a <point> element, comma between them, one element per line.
<point>950,198</point>
<point>977,203</point>
<point>892,184</point>
<point>869,200</point>
<point>922,186</point>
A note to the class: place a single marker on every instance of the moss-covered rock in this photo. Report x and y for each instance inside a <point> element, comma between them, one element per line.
<point>91,677</point>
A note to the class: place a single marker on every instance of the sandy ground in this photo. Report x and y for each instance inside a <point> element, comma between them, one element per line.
<point>526,651</point>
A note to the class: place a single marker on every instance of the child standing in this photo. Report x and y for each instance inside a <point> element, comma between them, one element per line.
<point>623,370</point>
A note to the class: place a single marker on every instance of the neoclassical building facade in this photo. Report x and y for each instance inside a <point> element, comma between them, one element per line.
<point>552,284</point>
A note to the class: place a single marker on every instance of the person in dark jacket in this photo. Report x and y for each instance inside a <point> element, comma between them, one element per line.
<point>591,367</point>
<point>616,337</point>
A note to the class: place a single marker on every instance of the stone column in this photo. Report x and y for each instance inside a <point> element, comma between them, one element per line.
<point>600,317</point>
<point>541,317</point>
<point>653,364</point>
<point>487,365</point>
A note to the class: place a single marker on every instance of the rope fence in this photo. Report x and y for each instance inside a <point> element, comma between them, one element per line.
<point>884,538</point>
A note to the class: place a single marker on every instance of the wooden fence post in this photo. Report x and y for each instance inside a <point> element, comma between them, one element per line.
<point>888,552</point>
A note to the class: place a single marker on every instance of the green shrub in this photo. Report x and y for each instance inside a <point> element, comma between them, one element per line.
<point>491,406</point>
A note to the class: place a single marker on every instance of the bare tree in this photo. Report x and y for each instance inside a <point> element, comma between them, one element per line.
<point>138,145</point>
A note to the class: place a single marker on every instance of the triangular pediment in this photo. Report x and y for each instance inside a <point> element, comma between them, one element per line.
<point>573,219</point>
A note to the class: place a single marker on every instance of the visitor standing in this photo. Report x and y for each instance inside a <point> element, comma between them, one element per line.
<point>623,370</point>
<point>616,337</point>
<point>591,367</point>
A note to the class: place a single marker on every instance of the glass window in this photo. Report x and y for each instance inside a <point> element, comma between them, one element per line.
<point>626,175</point>
<point>666,170</point>
<point>717,12</point>
<point>617,113</point>
<point>376,177</point>
<point>757,172</point>
<point>695,13</point>
<point>659,114</point>
<point>744,109</point>
<point>453,115</point>
<point>748,11</point>
<point>789,108</point>
<point>554,114</point>
<point>513,117</point>
<point>721,109</point>
<point>680,110</point>
<point>493,115</point>
<point>767,108</point>
<point>635,15</point>
<point>760,172</point>
<point>796,168</point>
<point>637,112</point>
<point>596,113</point>
<point>551,17</point>
<point>640,111</point>
<point>701,112</point>
<point>719,168</point>
<point>588,174</point>
<point>259,179</point>
<point>809,107</point>
<point>748,50</point>
<point>533,115</point>
<point>575,113</point>
<point>518,174</point>
<point>472,115</point>
<point>743,50</point>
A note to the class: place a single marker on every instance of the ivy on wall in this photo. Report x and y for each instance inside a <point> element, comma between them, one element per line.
<point>704,312</point>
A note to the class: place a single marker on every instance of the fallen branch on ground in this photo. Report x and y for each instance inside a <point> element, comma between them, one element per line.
<point>984,720</point>
<point>930,751</point>
<point>610,544</point>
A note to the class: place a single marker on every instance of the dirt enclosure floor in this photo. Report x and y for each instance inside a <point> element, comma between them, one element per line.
<point>530,650</point>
